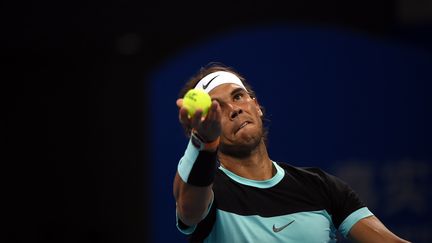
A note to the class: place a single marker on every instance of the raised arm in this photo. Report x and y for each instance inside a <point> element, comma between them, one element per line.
<point>194,179</point>
<point>371,230</point>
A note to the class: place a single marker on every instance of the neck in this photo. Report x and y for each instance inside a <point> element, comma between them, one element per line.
<point>256,166</point>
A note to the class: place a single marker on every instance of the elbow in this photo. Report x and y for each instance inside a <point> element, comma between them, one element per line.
<point>190,214</point>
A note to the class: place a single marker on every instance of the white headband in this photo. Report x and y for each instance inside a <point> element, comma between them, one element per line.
<point>215,79</point>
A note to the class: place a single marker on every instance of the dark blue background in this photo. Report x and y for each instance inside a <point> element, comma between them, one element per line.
<point>355,105</point>
<point>89,87</point>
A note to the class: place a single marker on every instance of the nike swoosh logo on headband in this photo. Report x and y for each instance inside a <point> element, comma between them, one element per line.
<point>206,85</point>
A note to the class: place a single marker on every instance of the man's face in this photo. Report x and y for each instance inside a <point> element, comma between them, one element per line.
<point>241,119</point>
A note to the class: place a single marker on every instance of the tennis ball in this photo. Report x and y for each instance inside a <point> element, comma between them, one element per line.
<point>196,99</point>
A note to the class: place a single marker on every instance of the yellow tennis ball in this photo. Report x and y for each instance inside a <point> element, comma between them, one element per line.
<point>196,99</point>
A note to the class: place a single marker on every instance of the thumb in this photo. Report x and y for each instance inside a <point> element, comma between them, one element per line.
<point>179,103</point>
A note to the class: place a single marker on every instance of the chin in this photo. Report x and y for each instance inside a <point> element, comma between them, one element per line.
<point>242,147</point>
<point>249,136</point>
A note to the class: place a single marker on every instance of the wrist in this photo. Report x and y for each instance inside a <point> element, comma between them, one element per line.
<point>202,144</point>
<point>197,167</point>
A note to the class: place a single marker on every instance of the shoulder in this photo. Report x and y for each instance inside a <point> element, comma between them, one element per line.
<point>315,176</point>
<point>310,172</point>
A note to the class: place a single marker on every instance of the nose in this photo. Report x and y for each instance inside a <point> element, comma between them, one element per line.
<point>235,111</point>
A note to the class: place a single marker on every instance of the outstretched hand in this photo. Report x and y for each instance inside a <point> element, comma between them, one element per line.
<point>209,127</point>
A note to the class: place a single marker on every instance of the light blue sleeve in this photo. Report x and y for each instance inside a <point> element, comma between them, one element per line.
<point>353,218</point>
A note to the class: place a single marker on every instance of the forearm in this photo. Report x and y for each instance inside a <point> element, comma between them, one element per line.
<point>197,168</point>
<point>192,201</point>
<point>193,183</point>
<point>371,230</point>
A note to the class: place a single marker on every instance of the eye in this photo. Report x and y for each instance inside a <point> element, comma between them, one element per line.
<point>238,96</point>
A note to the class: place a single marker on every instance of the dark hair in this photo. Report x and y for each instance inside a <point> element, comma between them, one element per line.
<point>214,67</point>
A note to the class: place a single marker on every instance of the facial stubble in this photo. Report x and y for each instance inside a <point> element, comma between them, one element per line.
<point>242,150</point>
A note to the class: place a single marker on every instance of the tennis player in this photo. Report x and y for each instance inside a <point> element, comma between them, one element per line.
<point>228,189</point>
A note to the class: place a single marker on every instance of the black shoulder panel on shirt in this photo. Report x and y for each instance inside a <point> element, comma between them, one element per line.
<point>301,189</point>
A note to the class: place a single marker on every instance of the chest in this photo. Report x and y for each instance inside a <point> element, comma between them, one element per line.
<point>311,226</point>
<point>282,199</point>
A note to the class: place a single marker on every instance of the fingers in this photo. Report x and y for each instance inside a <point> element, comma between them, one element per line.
<point>183,116</point>
<point>214,113</point>
<point>210,128</point>
<point>179,103</point>
<point>209,125</point>
<point>196,119</point>
<point>190,122</point>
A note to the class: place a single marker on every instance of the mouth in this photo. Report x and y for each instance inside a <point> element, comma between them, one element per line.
<point>242,125</point>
